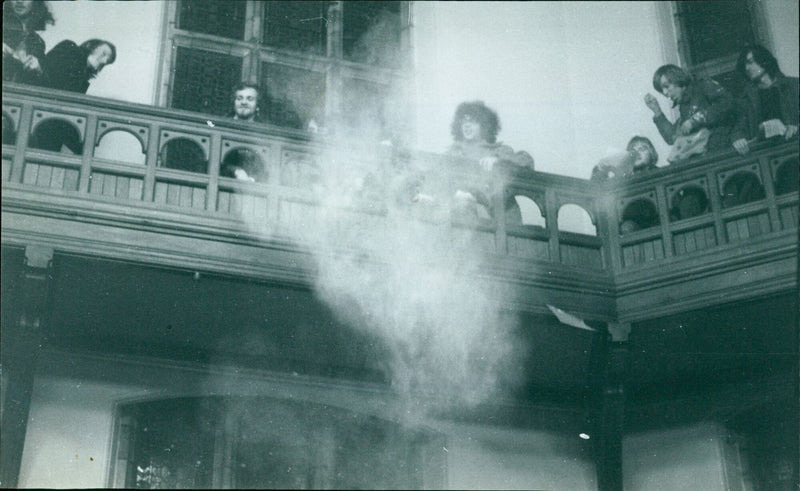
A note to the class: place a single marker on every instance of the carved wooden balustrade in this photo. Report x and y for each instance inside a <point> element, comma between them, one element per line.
<point>159,169</point>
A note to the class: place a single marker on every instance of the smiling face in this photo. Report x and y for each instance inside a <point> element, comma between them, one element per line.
<point>99,57</point>
<point>245,103</point>
<point>669,89</point>
<point>471,129</point>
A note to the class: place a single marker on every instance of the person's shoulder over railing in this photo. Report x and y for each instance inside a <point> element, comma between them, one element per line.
<point>23,48</point>
<point>706,113</point>
<point>768,106</point>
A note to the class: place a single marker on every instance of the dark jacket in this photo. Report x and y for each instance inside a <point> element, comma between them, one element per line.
<point>750,115</point>
<point>66,68</point>
<point>15,36</point>
<point>256,119</point>
<point>716,106</point>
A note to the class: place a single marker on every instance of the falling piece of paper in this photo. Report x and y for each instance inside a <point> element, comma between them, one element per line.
<point>569,319</point>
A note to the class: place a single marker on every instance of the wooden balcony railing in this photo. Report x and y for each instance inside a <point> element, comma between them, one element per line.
<point>163,166</point>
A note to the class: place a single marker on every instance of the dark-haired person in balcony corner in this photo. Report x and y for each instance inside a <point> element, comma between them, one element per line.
<point>706,116</point>
<point>242,164</point>
<point>474,129</point>
<point>71,67</point>
<point>23,48</point>
<point>768,107</point>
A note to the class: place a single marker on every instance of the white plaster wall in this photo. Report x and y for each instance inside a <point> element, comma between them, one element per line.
<point>782,17</point>
<point>496,458</point>
<point>567,78</point>
<point>133,27</point>
<point>68,442</point>
<point>677,459</point>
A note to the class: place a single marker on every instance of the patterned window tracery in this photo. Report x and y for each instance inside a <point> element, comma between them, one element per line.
<point>305,56</point>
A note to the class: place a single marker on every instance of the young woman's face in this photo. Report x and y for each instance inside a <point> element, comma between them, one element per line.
<point>99,57</point>
<point>471,129</point>
<point>752,68</point>
<point>22,7</point>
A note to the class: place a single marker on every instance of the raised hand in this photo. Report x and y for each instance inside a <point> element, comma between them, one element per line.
<point>651,102</point>
<point>741,146</point>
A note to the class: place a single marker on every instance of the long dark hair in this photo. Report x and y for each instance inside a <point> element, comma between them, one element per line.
<point>761,56</point>
<point>89,46</point>
<point>485,116</point>
<point>38,18</point>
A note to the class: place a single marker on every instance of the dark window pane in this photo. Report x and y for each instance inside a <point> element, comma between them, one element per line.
<point>224,19</point>
<point>716,28</point>
<point>263,443</point>
<point>294,96</point>
<point>204,80</point>
<point>174,445</point>
<point>372,32</point>
<point>299,26</point>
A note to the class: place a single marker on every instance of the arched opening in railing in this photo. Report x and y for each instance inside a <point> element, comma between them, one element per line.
<point>9,130</point>
<point>244,164</point>
<point>787,176</point>
<point>689,201</point>
<point>639,214</point>
<point>122,146</point>
<point>184,154</point>
<point>523,210</point>
<point>575,219</point>
<point>56,135</point>
<point>740,188</point>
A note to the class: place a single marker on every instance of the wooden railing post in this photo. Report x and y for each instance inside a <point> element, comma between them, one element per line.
<point>88,153</point>
<point>18,354</point>
<point>151,161</point>
<point>551,222</point>
<point>23,135</point>
<point>769,191</point>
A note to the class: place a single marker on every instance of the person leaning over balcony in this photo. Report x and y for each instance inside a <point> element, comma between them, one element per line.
<point>640,157</point>
<point>474,129</point>
<point>768,106</point>
<point>242,164</point>
<point>23,48</point>
<point>706,113</point>
<point>71,67</point>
